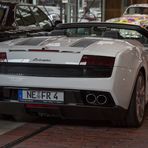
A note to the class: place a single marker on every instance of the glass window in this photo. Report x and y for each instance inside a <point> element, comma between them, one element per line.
<point>41,18</point>
<point>137,10</point>
<point>38,14</point>
<point>2,13</point>
<point>24,16</point>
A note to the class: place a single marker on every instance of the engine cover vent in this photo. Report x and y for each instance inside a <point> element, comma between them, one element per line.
<point>84,43</point>
<point>32,41</point>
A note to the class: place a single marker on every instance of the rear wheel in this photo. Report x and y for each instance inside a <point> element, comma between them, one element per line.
<point>136,110</point>
<point>135,114</point>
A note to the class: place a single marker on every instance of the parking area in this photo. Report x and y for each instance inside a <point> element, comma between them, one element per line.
<point>71,133</point>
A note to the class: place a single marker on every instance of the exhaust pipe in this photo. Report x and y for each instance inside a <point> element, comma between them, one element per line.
<point>91,99</point>
<point>101,99</point>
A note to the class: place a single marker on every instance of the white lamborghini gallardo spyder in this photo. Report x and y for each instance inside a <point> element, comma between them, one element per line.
<point>95,71</point>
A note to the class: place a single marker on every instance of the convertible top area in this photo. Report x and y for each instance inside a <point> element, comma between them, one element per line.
<point>103,30</point>
<point>139,29</point>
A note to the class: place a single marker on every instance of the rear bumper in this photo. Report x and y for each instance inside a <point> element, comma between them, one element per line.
<point>64,111</point>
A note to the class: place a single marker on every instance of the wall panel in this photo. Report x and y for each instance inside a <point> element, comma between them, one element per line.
<point>113,8</point>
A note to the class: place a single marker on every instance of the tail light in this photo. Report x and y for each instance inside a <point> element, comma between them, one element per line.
<point>3,57</point>
<point>97,61</point>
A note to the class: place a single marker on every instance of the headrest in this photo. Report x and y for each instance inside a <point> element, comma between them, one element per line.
<point>112,34</point>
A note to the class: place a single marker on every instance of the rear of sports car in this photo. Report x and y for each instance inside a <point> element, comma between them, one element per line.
<point>69,81</point>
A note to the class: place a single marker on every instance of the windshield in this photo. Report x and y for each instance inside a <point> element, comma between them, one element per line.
<point>137,10</point>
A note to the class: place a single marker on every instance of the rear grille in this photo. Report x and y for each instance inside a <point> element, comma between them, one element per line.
<point>51,70</point>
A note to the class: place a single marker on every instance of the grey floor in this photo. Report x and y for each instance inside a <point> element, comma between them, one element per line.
<point>6,126</point>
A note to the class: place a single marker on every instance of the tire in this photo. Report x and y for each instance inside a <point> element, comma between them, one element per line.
<point>135,115</point>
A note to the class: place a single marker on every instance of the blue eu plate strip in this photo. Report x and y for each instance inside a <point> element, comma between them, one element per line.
<point>20,95</point>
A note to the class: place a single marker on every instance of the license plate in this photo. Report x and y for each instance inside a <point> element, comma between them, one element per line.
<point>40,95</point>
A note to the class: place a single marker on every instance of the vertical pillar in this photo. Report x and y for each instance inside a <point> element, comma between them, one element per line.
<point>69,11</point>
<point>61,10</point>
<point>103,10</point>
<point>75,10</point>
<point>67,14</point>
<point>34,2</point>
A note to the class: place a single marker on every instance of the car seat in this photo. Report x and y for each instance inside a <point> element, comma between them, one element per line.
<point>112,34</point>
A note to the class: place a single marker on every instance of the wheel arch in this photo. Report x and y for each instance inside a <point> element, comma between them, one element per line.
<point>132,117</point>
<point>141,69</point>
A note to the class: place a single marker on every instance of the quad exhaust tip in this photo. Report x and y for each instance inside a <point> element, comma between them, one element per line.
<point>101,99</point>
<point>91,99</point>
<point>96,100</point>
